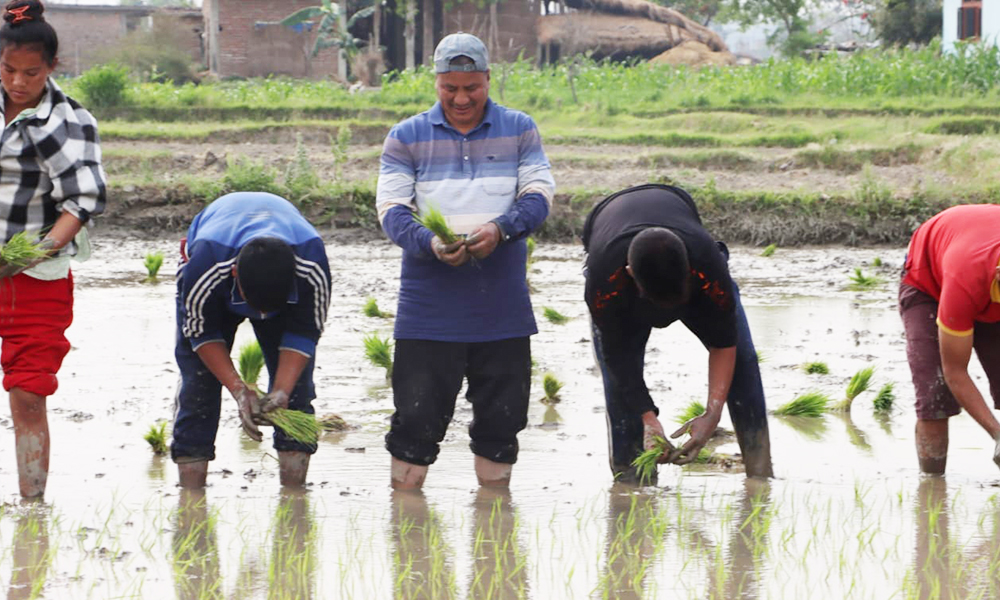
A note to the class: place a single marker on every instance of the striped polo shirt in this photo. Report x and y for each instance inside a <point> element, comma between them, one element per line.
<point>472,178</point>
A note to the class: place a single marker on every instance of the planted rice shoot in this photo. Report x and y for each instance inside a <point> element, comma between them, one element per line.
<point>877,262</point>
<point>769,250</point>
<point>862,282</point>
<point>551,385</point>
<point>645,463</point>
<point>554,316</point>
<point>301,427</point>
<point>20,251</point>
<point>251,363</point>
<point>435,221</point>
<point>810,404</point>
<point>332,422</point>
<point>153,262</point>
<point>530,242</point>
<point>859,383</point>
<point>372,310</point>
<point>156,437</point>
<point>378,351</point>
<point>816,368</point>
<point>884,398</point>
<point>761,357</point>
<point>691,411</point>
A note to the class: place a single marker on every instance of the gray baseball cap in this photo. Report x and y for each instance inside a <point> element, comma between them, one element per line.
<point>461,44</point>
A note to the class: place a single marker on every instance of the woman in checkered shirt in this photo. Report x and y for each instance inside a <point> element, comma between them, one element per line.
<point>51,183</point>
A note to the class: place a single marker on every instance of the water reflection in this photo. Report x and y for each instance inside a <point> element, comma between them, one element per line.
<point>935,551</point>
<point>292,572</point>
<point>195,548</point>
<point>813,428</point>
<point>551,418</point>
<point>855,435</point>
<point>31,555</point>
<point>739,575</point>
<point>637,527</point>
<point>499,567</point>
<point>422,559</point>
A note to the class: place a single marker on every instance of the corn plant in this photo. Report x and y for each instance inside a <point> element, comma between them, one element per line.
<point>810,404</point>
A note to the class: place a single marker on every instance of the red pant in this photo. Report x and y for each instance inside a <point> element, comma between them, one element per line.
<point>34,315</point>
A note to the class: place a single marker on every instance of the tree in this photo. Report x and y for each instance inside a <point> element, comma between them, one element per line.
<point>794,37</point>
<point>903,22</point>
<point>332,31</point>
<point>702,11</point>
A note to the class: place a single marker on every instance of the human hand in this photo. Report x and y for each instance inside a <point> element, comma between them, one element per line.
<point>274,400</point>
<point>248,401</point>
<point>996,452</point>
<point>483,240</point>
<point>453,254</point>
<point>651,430</point>
<point>700,429</point>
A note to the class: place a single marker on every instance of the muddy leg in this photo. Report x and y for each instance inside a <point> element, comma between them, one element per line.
<point>932,445</point>
<point>293,468</point>
<point>31,439</point>
<point>192,475</point>
<point>492,474</point>
<point>406,476</point>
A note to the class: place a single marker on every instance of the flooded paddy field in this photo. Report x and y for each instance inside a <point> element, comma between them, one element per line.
<point>847,515</point>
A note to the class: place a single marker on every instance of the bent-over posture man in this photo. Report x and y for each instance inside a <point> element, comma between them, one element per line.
<point>949,300</point>
<point>248,256</point>
<point>650,263</point>
<point>464,310</point>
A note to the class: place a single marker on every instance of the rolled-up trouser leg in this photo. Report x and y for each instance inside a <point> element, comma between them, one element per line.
<point>747,408</point>
<point>499,375</point>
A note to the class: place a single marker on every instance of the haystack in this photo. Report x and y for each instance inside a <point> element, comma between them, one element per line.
<point>693,54</point>
<point>609,36</point>
<point>653,12</point>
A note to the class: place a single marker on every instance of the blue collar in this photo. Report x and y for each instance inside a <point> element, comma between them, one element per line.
<point>436,116</point>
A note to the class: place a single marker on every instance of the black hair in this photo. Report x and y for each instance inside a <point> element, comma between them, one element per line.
<point>265,270</point>
<point>24,25</point>
<point>461,60</point>
<point>659,263</point>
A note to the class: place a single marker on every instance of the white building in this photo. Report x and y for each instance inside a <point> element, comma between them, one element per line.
<point>970,19</point>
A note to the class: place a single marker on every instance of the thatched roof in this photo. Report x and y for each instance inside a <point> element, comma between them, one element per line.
<point>610,36</point>
<point>653,12</point>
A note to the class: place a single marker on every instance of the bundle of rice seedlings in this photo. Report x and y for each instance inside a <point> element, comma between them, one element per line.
<point>153,262</point>
<point>554,316</point>
<point>438,225</point>
<point>761,357</point>
<point>860,382</point>
<point>301,427</point>
<point>379,352</point>
<point>645,463</point>
<point>20,251</point>
<point>691,411</point>
<point>769,250</point>
<point>877,262</point>
<point>551,385</point>
<point>156,437</point>
<point>332,422</point>
<point>372,310</point>
<point>251,363</point>
<point>810,404</point>
<point>816,368</point>
<point>885,397</point>
<point>861,282</point>
<point>531,249</point>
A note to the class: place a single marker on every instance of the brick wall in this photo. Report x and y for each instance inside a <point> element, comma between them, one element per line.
<point>515,27</point>
<point>82,34</point>
<point>250,43</point>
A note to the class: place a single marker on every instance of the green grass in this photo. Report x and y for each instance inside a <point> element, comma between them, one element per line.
<point>691,411</point>
<point>20,251</point>
<point>378,351</point>
<point>554,316</point>
<point>372,310</point>
<point>816,368</point>
<point>884,398</point>
<point>860,282</point>
<point>435,221</point>
<point>153,261</point>
<point>156,437</point>
<point>551,385</point>
<point>251,363</point>
<point>769,250</point>
<point>810,404</point>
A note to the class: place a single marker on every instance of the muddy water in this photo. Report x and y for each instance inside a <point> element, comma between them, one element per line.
<point>848,514</point>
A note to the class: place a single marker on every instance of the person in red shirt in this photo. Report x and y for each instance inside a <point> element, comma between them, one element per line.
<point>949,300</point>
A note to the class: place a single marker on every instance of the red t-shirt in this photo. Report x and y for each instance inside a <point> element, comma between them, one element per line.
<point>953,257</point>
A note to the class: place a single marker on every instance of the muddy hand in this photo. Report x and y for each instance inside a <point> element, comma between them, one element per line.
<point>274,400</point>
<point>248,401</point>
<point>453,254</point>
<point>483,241</point>
<point>996,452</point>
<point>652,429</point>
<point>700,429</point>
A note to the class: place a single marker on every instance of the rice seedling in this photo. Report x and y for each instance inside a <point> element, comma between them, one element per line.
<point>436,222</point>
<point>769,250</point>
<point>379,352</point>
<point>861,282</point>
<point>551,385</point>
<point>251,362</point>
<point>645,463</point>
<point>332,422</point>
<point>153,262</point>
<point>554,316</point>
<point>372,310</point>
<point>877,262</point>
<point>531,249</point>
<point>301,427</point>
<point>761,357</point>
<point>20,251</point>
<point>859,383</point>
<point>817,367</point>
<point>693,410</point>
<point>884,398</point>
<point>810,404</point>
<point>156,437</point>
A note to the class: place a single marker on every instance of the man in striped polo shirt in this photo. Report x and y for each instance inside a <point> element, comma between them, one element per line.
<point>248,256</point>
<point>464,310</point>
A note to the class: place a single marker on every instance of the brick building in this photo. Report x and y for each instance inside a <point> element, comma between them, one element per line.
<point>244,38</point>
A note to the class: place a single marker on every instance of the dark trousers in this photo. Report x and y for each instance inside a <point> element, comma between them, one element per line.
<point>746,406</point>
<point>426,379</point>
<point>198,402</point>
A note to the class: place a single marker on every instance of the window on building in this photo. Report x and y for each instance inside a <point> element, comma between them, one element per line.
<point>970,19</point>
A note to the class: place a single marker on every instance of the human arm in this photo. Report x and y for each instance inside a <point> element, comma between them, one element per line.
<point>956,351</point>
<point>216,358</point>
<point>721,366</point>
